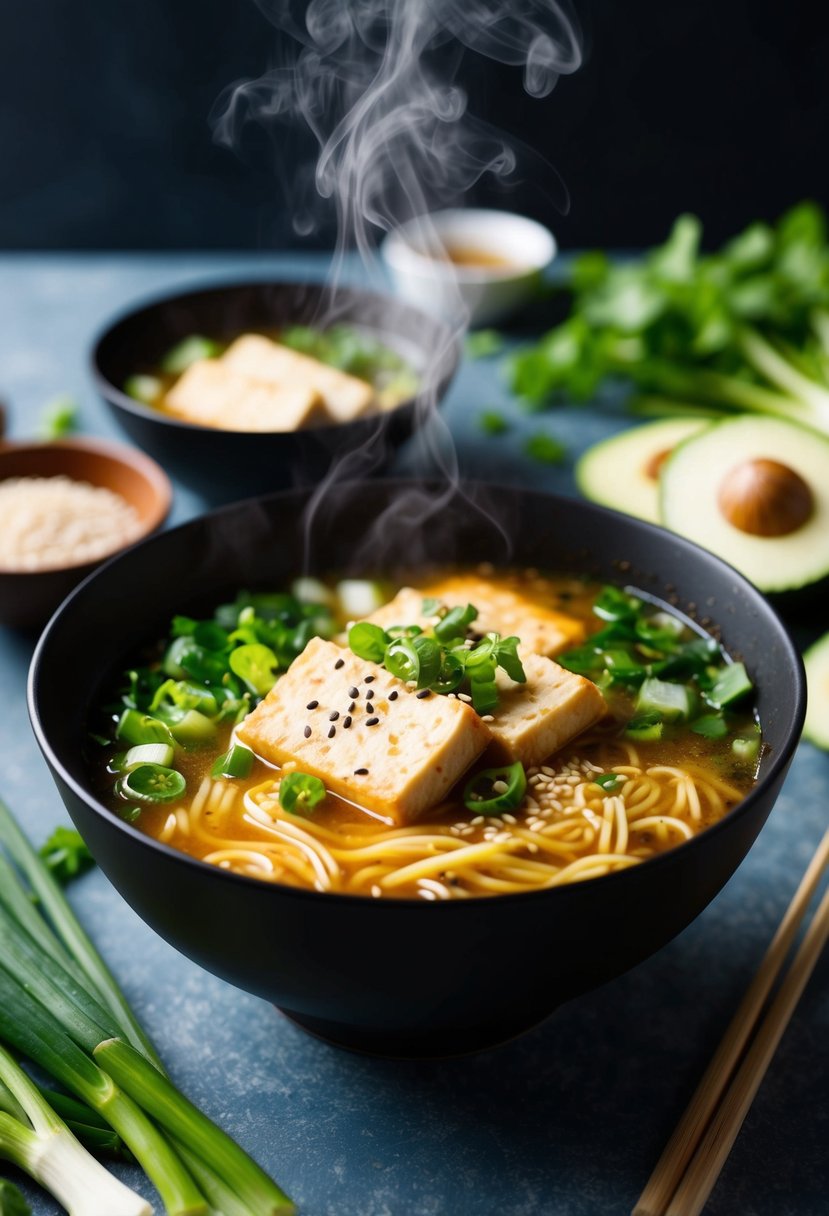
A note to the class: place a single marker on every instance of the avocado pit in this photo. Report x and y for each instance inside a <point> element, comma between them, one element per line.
<point>765,498</point>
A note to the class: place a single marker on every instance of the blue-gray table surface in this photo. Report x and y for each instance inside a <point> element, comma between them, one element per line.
<point>570,1119</point>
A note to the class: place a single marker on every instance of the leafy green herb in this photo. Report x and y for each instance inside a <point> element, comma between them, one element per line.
<point>59,418</point>
<point>746,327</point>
<point>440,658</point>
<point>66,855</point>
<point>483,343</point>
<point>300,793</point>
<point>12,1202</point>
<point>545,448</point>
<point>492,422</point>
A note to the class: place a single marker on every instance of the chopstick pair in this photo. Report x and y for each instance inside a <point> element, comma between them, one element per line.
<point>692,1159</point>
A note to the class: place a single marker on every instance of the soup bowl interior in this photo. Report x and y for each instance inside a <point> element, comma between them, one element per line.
<point>223,464</point>
<point>403,976</point>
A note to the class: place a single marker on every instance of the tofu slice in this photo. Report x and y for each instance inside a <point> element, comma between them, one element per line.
<point>211,394</point>
<point>500,610</point>
<point>534,720</point>
<point>344,397</point>
<point>401,767</point>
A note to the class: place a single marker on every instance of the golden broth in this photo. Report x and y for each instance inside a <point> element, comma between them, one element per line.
<point>568,828</point>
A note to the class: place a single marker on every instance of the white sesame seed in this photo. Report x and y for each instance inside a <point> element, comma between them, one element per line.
<point>464,696</point>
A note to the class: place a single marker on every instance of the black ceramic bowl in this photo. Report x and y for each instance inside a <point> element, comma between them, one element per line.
<point>405,977</point>
<point>230,464</point>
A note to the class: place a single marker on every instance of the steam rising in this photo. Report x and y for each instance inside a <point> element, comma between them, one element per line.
<point>374,81</point>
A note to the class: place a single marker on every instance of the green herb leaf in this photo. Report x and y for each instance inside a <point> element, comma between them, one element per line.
<point>59,418</point>
<point>66,855</point>
<point>300,793</point>
<point>545,448</point>
<point>492,422</point>
<point>482,343</point>
<point>368,641</point>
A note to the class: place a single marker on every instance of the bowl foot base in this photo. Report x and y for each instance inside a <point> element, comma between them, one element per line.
<point>412,1043</point>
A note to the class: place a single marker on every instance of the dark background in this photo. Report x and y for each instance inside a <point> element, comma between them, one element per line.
<point>716,107</point>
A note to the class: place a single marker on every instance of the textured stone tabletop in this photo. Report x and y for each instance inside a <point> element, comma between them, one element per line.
<point>567,1121</point>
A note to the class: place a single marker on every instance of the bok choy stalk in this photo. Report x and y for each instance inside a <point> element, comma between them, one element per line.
<point>61,1006</point>
<point>34,1138</point>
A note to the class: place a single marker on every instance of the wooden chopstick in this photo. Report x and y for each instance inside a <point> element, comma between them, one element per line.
<point>702,1173</point>
<point>691,1129</point>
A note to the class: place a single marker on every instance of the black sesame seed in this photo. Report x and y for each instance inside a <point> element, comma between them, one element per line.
<point>332,717</point>
<point>369,708</point>
<point>424,692</point>
<point>393,695</point>
<point>372,721</point>
<point>332,732</point>
<point>312,705</point>
<point>346,721</point>
<point>339,663</point>
<point>353,692</point>
<point>360,772</point>
<point>369,679</point>
<point>307,732</point>
<point>352,707</point>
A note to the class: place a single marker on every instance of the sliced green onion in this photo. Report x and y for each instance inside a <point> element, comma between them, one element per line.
<point>455,623</point>
<point>731,684</point>
<point>672,702</point>
<point>451,674</point>
<point>644,728</point>
<point>193,728</point>
<point>430,606</point>
<point>152,783</point>
<point>256,665</point>
<point>300,793</point>
<point>135,727</point>
<point>367,641</point>
<point>149,753</point>
<point>609,781</point>
<point>360,597</point>
<point>185,695</point>
<point>613,604</point>
<point>402,660</point>
<point>234,763</point>
<point>495,790</point>
<point>188,351</point>
<point>747,749</point>
<point>146,389</point>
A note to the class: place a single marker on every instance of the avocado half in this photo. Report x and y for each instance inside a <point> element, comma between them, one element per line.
<point>623,471</point>
<point>755,491</point>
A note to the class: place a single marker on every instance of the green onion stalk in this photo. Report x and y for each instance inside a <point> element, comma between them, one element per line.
<point>35,1139</point>
<point>62,1008</point>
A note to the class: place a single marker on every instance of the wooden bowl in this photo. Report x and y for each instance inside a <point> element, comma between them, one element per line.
<point>28,597</point>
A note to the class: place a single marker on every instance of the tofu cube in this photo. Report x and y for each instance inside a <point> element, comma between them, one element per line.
<point>500,610</point>
<point>401,766</point>
<point>210,394</point>
<point>344,397</point>
<point>534,720</point>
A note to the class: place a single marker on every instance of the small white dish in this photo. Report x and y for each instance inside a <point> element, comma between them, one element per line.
<point>474,267</point>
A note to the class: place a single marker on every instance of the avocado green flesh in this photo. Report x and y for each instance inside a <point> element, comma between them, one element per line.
<point>693,477</point>
<point>816,660</point>
<point>614,473</point>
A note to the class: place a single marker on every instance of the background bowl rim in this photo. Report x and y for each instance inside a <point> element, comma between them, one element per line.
<point>777,767</point>
<point>121,400</point>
